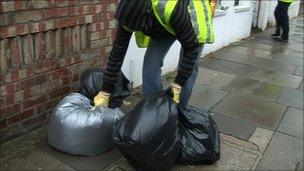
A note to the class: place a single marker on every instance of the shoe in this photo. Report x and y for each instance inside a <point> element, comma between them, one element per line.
<point>276,35</point>
<point>280,39</point>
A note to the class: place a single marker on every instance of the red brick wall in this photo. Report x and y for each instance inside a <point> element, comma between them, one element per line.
<point>45,46</point>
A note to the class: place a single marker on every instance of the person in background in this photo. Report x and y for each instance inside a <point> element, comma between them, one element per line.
<point>157,24</point>
<point>282,20</point>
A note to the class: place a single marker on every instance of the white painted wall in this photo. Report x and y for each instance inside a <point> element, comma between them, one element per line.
<point>293,11</point>
<point>230,25</point>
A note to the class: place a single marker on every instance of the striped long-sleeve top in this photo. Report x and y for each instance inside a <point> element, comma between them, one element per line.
<point>138,15</point>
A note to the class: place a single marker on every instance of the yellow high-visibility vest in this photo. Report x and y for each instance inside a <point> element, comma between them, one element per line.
<point>200,14</point>
<point>288,1</point>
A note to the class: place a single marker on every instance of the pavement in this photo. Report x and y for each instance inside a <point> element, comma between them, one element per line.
<point>254,89</point>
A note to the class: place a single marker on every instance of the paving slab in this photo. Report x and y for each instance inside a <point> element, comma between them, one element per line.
<point>206,97</point>
<point>36,160</point>
<point>256,45</point>
<point>283,153</point>
<point>254,87</point>
<point>82,162</point>
<point>234,127</point>
<point>212,78</point>
<point>274,65</point>
<point>292,122</point>
<point>291,97</point>
<point>281,79</point>
<point>288,59</point>
<point>261,137</point>
<point>250,51</point>
<point>228,67</point>
<point>234,57</point>
<point>235,155</point>
<point>251,109</point>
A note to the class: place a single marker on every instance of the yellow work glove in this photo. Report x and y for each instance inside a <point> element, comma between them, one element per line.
<point>101,99</point>
<point>213,6</point>
<point>176,90</point>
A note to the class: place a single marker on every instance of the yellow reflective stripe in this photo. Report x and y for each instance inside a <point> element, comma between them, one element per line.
<point>165,23</point>
<point>201,20</point>
<point>207,11</point>
<point>193,16</point>
<point>169,9</point>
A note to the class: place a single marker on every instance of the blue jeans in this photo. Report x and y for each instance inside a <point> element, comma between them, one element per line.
<point>153,61</point>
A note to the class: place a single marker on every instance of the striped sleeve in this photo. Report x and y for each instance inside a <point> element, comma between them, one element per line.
<point>116,58</point>
<point>185,34</point>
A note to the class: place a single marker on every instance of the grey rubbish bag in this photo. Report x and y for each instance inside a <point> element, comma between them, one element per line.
<point>76,129</point>
<point>200,138</point>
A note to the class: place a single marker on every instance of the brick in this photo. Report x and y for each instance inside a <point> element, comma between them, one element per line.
<point>42,26</point>
<point>3,56</point>
<point>112,24</point>
<point>47,106</point>
<point>7,89</point>
<point>16,52</point>
<point>113,7</point>
<point>7,6</point>
<point>95,44</point>
<point>28,49</point>
<point>89,2</point>
<point>66,22</point>
<point>76,39</point>
<point>98,8</point>
<point>69,61</point>
<point>94,36</point>
<point>9,100</point>
<point>3,124</point>
<point>27,16</point>
<point>19,5</point>
<point>11,76</point>
<point>18,96</point>
<point>46,66</point>
<point>10,110</point>
<point>39,47</point>
<point>67,41</point>
<point>58,74</point>
<point>22,29</point>
<point>88,18</point>
<point>105,33</point>
<point>21,116</point>
<point>58,42</point>
<point>50,44</point>
<point>59,92</point>
<point>39,4</point>
<point>24,73</point>
<point>49,13</point>
<point>62,12</point>
<point>62,3</point>
<point>34,101</point>
<point>85,9</point>
<point>26,84</point>
<point>73,11</point>
<point>73,2</point>
<point>83,37</point>
<point>8,31</point>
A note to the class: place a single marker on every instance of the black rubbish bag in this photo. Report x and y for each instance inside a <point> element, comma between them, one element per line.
<point>77,129</point>
<point>148,136</point>
<point>91,83</point>
<point>200,138</point>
